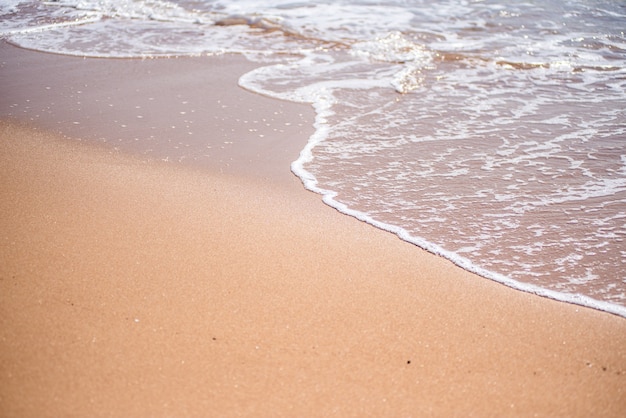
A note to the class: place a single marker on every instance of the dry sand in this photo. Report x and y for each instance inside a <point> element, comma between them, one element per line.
<point>141,288</point>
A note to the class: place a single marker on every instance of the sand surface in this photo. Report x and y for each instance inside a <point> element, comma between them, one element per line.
<point>176,109</point>
<point>131,287</point>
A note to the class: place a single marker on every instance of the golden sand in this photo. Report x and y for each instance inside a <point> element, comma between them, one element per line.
<point>139,288</point>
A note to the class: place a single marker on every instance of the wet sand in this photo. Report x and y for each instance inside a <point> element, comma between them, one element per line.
<point>130,286</point>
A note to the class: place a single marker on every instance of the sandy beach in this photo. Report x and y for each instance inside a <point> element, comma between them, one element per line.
<point>131,286</point>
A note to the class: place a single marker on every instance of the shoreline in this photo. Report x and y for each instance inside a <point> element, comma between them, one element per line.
<point>259,144</point>
<point>176,109</point>
<point>133,287</point>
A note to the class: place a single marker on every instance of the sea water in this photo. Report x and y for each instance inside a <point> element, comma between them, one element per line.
<point>492,133</point>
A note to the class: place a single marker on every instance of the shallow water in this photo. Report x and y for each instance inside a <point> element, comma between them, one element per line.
<point>492,133</point>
